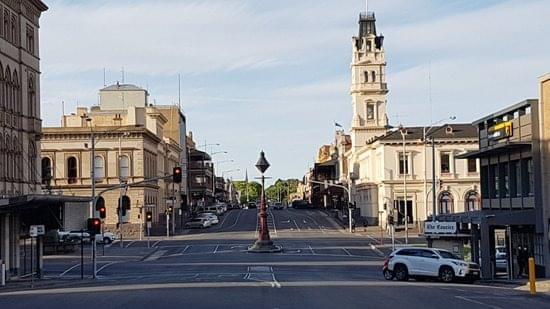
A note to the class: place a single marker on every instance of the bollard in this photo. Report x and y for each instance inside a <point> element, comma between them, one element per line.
<point>532,285</point>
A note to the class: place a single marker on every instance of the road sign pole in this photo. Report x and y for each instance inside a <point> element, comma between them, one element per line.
<point>81,254</point>
<point>94,262</point>
<point>32,262</point>
<point>167,224</point>
<point>148,233</point>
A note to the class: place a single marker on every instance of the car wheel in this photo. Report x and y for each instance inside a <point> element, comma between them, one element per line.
<point>401,273</point>
<point>446,274</point>
<point>388,274</point>
<point>107,240</point>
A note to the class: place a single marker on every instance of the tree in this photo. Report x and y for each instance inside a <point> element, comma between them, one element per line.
<point>254,190</point>
<point>282,188</point>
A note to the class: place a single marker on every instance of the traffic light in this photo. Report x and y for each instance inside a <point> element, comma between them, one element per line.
<point>170,209</point>
<point>102,212</point>
<point>94,226</point>
<point>352,205</point>
<point>176,175</point>
<point>149,216</point>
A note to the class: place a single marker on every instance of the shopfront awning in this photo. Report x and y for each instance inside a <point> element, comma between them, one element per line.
<point>33,201</point>
<point>492,217</point>
<point>494,150</point>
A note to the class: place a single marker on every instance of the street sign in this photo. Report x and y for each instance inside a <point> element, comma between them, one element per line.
<point>36,230</point>
<point>431,227</point>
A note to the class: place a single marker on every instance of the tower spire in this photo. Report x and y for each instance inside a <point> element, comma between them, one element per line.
<point>366,6</point>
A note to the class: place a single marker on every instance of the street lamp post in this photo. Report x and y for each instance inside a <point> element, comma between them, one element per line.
<point>263,244</point>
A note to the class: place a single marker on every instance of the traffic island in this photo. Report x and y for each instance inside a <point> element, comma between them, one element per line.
<point>264,246</point>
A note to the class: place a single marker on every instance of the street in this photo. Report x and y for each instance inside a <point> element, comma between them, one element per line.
<point>321,266</point>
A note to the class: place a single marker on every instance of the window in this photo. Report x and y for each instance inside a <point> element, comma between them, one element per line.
<point>370,111</point>
<point>30,39</point>
<point>71,170</point>
<point>99,167</point>
<point>373,77</point>
<point>124,167</point>
<point>403,163</point>
<point>515,179</point>
<point>7,25</point>
<point>472,166</point>
<point>494,181</point>
<point>472,201</point>
<point>366,73</point>
<point>527,179</point>
<point>504,180</point>
<point>46,170</point>
<point>32,99</point>
<point>445,163</point>
<point>445,203</point>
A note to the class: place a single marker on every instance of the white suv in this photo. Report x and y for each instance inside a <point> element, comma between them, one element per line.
<point>430,262</point>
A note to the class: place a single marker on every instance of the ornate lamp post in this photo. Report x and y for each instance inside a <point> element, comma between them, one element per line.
<point>263,244</point>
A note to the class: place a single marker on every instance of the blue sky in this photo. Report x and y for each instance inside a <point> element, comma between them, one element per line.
<point>274,75</point>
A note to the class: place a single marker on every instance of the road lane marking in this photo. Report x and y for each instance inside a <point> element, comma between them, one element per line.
<point>230,284</point>
<point>130,243</point>
<point>477,302</point>
<point>156,243</point>
<point>216,250</point>
<point>297,227</point>
<point>69,269</point>
<point>346,251</point>
<point>186,247</point>
<point>155,256</point>
<point>107,265</point>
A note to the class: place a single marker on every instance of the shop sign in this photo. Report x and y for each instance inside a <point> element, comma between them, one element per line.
<point>431,227</point>
<point>501,130</point>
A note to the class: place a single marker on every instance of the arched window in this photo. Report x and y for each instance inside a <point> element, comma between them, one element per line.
<point>2,152</point>
<point>445,203</point>
<point>32,98</point>
<point>366,76</point>
<point>46,170</point>
<point>472,201</point>
<point>72,170</point>
<point>99,168</point>
<point>33,156</point>
<point>124,167</point>
<point>16,162</point>
<point>16,105</point>
<point>373,79</point>
<point>7,92</point>
<point>2,85</point>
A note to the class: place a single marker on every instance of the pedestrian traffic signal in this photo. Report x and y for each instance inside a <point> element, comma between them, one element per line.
<point>149,216</point>
<point>102,212</point>
<point>170,209</point>
<point>94,226</point>
<point>176,175</point>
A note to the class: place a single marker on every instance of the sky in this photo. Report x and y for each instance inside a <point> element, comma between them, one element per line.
<point>275,75</point>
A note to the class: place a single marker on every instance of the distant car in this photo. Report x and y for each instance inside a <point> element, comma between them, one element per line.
<point>106,238</point>
<point>209,216</point>
<point>251,205</point>
<point>217,210</point>
<point>198,223</point>
<point>501,258</point>
<point>278,206</point>
<point>429,262</point>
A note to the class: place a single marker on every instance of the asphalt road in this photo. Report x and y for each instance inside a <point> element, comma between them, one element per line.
<point>321,266</point>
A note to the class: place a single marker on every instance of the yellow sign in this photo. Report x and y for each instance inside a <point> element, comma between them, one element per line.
<point>501,130</point>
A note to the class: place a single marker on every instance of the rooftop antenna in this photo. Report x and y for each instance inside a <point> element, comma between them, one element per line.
<point>367,6</point>
<point>122,72</point>
<point>104,78</point>
<point>63,107</point>
<point>179,91</point>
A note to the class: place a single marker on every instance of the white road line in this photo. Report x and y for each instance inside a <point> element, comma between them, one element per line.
<point>216,250</point>
<point>155,256</point>
<point>130,243</point>
<point>346,251</point>
<point>186,247</point>
<point>273,218</point>
<point>156,243</point>
<point>69,269</point>
<point>477,302</point>
<point>106,265</point>
<point>237,220</point>
<point>312,252</point>
<point>297,227</point>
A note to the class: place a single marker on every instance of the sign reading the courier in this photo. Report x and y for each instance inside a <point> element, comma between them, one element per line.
<point>440,227</point>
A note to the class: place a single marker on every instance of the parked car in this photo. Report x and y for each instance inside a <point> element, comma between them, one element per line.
<point>199,223</point>
<point>209,216</point>
<point>429,262</point>
<point>278,206</point>
<point>251,205</point>
<point>501,258</point>
<point>217,210</point>
<point>106,238</point>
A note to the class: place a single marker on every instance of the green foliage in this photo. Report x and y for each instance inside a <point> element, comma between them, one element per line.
<point>254,190</point>
<point>282,188</point>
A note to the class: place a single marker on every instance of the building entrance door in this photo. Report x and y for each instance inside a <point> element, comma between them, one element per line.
<point>399,208</point>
